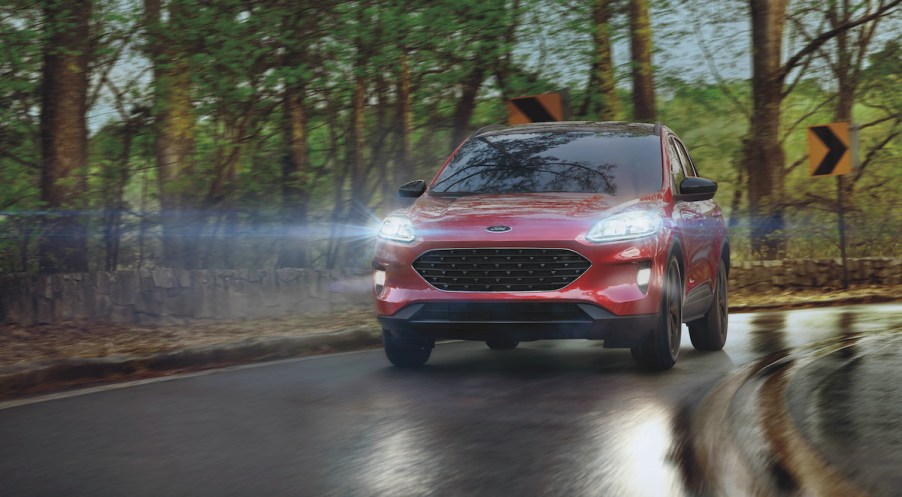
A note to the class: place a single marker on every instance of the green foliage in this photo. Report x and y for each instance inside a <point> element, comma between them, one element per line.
<point>245,58</point>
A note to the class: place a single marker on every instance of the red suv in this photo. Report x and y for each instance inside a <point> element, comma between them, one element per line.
<point>602,231</point>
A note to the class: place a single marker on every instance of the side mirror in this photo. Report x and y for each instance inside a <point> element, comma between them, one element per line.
<point>413,189</point>
<point>694,189</point>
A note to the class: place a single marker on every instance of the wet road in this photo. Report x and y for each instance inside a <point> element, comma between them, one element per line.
<point>550,418</point>
<point>848,405</point>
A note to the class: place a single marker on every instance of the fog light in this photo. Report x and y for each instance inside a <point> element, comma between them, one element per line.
<point>378,278</point>
<point>379,281</point>
<point>643,276</point>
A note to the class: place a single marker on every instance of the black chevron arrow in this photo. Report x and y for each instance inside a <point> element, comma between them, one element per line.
<point>836,150</point>
<point>533,109</point>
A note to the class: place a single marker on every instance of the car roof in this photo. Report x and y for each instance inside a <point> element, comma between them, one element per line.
<point>607,127</point>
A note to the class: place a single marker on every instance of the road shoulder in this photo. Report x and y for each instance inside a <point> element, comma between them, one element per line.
<point>45,358</point>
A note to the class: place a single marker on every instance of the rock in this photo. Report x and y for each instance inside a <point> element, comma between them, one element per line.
<point>163,277</point>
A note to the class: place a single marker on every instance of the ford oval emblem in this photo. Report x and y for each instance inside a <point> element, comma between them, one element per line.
<point>498,229</point>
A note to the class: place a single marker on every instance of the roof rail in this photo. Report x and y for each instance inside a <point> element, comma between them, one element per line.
<point>490,127</point>
<point>658,128</point>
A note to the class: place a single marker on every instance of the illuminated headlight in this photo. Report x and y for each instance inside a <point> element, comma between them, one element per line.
<point>626,226</point>
<point>397,228</point>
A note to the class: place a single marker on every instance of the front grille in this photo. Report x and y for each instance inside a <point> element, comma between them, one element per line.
<point>522,312</point>
<point>500,269</point>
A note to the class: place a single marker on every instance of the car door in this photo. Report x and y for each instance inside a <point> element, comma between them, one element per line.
<point>690,219</point>
<point>698,217</point>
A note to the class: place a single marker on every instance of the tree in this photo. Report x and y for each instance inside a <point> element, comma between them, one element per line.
<point>763,152</point>
<point>174,125</point>
<point>474,54</point>
<point>601,93</point>
<point>847,64</point>
<point>640,51</point>
<point>296,174</point>
<point>64,135</point>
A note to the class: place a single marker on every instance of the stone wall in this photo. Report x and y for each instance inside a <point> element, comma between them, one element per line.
<point>167,296</point>
<point>814,273</point>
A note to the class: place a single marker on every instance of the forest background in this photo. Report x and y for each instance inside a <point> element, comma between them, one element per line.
<point>274,133</point>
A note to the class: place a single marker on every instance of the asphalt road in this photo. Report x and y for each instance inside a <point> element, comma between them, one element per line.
<point>550,418</point>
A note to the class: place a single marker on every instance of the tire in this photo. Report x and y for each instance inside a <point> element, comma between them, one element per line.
<point>406,353</point>
<point>502,343</point>
<point>662,347</point>
<point>710,331</point>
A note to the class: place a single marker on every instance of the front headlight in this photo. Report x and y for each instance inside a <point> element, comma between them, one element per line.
<point>397,228</point>
<point>626,226</point>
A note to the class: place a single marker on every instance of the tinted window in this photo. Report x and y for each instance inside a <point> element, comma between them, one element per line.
<point>613,163</point>
<point>687,161</point>
<point>676,166</point>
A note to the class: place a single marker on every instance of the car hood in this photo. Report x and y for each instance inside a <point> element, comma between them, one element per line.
<point>554,215</point>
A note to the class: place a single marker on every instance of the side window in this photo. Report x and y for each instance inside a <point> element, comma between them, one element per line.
<point>687,161</point>
<point>676,165</point>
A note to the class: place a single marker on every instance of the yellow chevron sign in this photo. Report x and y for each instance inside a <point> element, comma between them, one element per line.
<point>829,150</point>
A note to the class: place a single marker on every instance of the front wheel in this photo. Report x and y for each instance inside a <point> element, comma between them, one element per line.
<point>710,331</point>
<point>662,347</point>
<point>405,353</point>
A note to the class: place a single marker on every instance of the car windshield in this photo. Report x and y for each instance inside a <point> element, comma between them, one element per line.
<point>621,163</point>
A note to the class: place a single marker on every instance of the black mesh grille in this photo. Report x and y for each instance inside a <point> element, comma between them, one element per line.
<point>526,312</point>
<point>500,269</point>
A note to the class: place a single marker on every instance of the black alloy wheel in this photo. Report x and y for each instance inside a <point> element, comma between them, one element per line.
<point>406,353</point>
<point>662,347</point>
<point>710,331</point>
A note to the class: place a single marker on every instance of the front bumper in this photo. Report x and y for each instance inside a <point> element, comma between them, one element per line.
<point>610,282</point>
<point>523,321</point>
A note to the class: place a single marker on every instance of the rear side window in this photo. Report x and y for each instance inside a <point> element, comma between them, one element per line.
<point>676,165</point>
<point>687,161</point>
<point>613,163</point>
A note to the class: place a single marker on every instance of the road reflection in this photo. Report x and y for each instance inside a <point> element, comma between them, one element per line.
<point>845,329</point>
<point>643,451</point>
<point>397,460</point>
<point>767,334</point>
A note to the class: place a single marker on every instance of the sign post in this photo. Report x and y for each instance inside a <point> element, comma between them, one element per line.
<point>831,153</point>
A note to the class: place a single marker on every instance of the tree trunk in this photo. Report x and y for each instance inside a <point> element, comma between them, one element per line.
<point>115,182</point>
<point>405,170</point>
<point>142,223</point>
<point>640,50</point>
<point>460,126</point>
<point>601,94</point>
<point>295,195</point>
<point>174,141</point>
<point>357,140</point>
<point>339,175</point>
<point>380,153</point>
<point>764,158</point>
<point>64,135</point>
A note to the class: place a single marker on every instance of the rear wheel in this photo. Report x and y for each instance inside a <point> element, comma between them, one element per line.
<point>406,353</point>
<point>502,343</point>
<point>662,347</point>
<point>710,331</point>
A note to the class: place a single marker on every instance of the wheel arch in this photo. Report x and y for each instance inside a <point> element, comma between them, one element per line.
<point>676,248</point>
<point>725,254</point>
